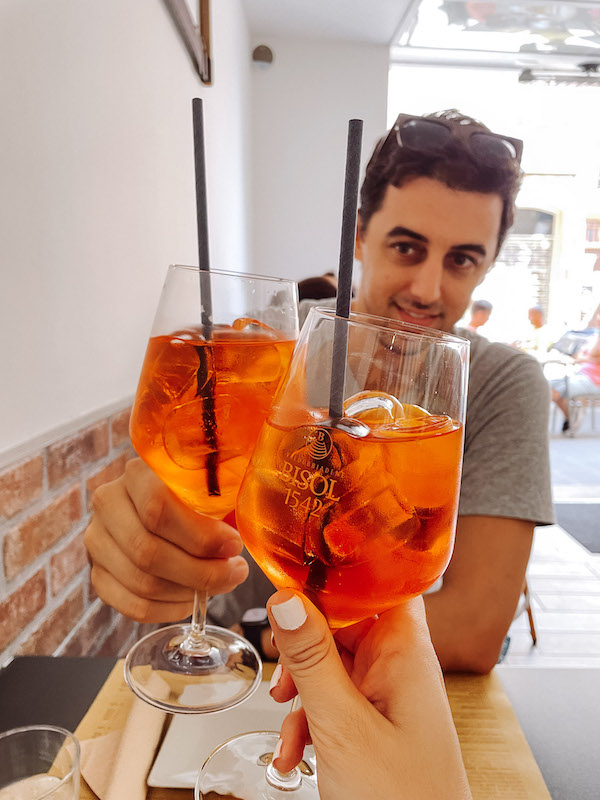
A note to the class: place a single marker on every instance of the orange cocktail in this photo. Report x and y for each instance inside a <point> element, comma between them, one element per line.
<point>200,406</point>
<point>358,524</point>
<point>351,496</point>
<point>219,347</point>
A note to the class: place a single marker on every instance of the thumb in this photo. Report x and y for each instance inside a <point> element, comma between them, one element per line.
<point>308,652</point>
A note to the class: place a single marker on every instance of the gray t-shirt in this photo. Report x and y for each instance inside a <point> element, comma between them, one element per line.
<point>506,465</point>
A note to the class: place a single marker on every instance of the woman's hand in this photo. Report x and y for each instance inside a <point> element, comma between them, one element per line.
<point>377,711</point>
<point>149,552</point>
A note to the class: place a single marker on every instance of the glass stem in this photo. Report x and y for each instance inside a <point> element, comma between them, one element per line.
<point>284,781</point>
<point>195,642</point>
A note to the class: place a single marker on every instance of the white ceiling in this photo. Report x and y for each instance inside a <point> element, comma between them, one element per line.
<point>381,22</point>
<point>374,21</point>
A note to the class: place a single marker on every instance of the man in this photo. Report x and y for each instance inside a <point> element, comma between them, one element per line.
<point>436,204</point>
<point>481,311</point>
<point>537,339</point>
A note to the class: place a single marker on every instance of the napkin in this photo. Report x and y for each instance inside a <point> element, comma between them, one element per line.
<point>115,766</point>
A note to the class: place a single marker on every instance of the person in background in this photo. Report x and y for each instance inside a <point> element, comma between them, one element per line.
<point>538,339</point>
<point>318,288</point>
<point>436,204</point>
<point>584,381</point>
<point>481,310</point>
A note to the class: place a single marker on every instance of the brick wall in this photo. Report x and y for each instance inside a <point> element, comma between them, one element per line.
<point>47,604</point>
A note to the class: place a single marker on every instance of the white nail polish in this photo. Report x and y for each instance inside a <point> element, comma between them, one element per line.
<point>276,676</point>
<point>289,615</point>
<point>277,751</point>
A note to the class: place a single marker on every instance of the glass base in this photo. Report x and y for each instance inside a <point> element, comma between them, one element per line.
<point>171,671</point>
<point>241,768</point>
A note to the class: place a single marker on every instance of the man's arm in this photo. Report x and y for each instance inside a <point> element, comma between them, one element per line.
<point>470,615</point>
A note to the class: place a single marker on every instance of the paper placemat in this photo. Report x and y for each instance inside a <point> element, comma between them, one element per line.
<point>499,762</point>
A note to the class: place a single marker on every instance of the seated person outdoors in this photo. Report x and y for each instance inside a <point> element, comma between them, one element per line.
<point>584,381</point>
<point>538,339</point>
<point>481,311</point>
<point>435,206</point>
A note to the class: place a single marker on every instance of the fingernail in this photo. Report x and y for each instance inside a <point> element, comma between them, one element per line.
<point>277,751</point>
<point>273,642</point>
<point>276,677</point>
<point>289,615</point>
<point>230,548</point>
<point>239,569</point>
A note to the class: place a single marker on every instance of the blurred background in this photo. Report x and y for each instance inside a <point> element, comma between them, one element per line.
<point>97,198</point>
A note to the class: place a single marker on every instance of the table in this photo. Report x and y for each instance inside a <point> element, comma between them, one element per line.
<point>558,709</point>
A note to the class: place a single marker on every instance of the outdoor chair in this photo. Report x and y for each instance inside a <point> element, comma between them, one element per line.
<point>525,606</point>
<point>580,406</point>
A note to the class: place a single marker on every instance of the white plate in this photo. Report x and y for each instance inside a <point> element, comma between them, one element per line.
<point>192,738</point>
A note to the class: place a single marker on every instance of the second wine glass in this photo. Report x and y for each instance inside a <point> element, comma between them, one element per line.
<point>351,494</point>
<point>219,347</point>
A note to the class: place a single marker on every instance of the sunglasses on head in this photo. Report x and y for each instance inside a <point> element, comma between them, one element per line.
<point>434,135</point>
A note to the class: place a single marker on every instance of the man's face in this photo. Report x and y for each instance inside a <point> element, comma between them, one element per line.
<point>480,317</point>
<point>535,317</point>
<point>424,252</point>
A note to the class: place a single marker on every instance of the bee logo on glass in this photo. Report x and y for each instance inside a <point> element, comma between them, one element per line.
<point>319,444</point>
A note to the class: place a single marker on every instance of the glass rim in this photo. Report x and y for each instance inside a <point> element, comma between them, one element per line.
<point>234,274</point>
<point>74,770</point>
<point>393,326</point>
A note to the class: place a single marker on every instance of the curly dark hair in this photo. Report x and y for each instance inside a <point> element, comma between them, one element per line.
<point>456,166</point>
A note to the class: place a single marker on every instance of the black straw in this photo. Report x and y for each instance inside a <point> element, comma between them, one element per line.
<point>202,217</point>
<point>344,293</point>
<point>205,375</point>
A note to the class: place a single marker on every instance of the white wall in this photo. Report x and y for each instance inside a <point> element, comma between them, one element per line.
<point>97,193</point>
<point>301,105</point>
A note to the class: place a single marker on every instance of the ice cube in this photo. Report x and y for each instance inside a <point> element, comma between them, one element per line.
<point>253,361</point>
<point>255,325</point>
<point>187,439</point>
<point>412,411</point>
<point>374,408</point>
<point>435,525</point>
<point>372,509</point>
<point>313,544</point>
<point>173,368</point>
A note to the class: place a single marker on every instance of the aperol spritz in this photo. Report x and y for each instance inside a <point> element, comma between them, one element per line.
<point>220,345</point>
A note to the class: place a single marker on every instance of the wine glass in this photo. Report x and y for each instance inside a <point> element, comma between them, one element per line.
<point>351,494</point>
<point>219,346</point>
<point>39,761</point>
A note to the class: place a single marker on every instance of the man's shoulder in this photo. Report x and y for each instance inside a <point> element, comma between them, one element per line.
<point>498,370</point>
<point>489,356</point>
<point>304,306</point>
